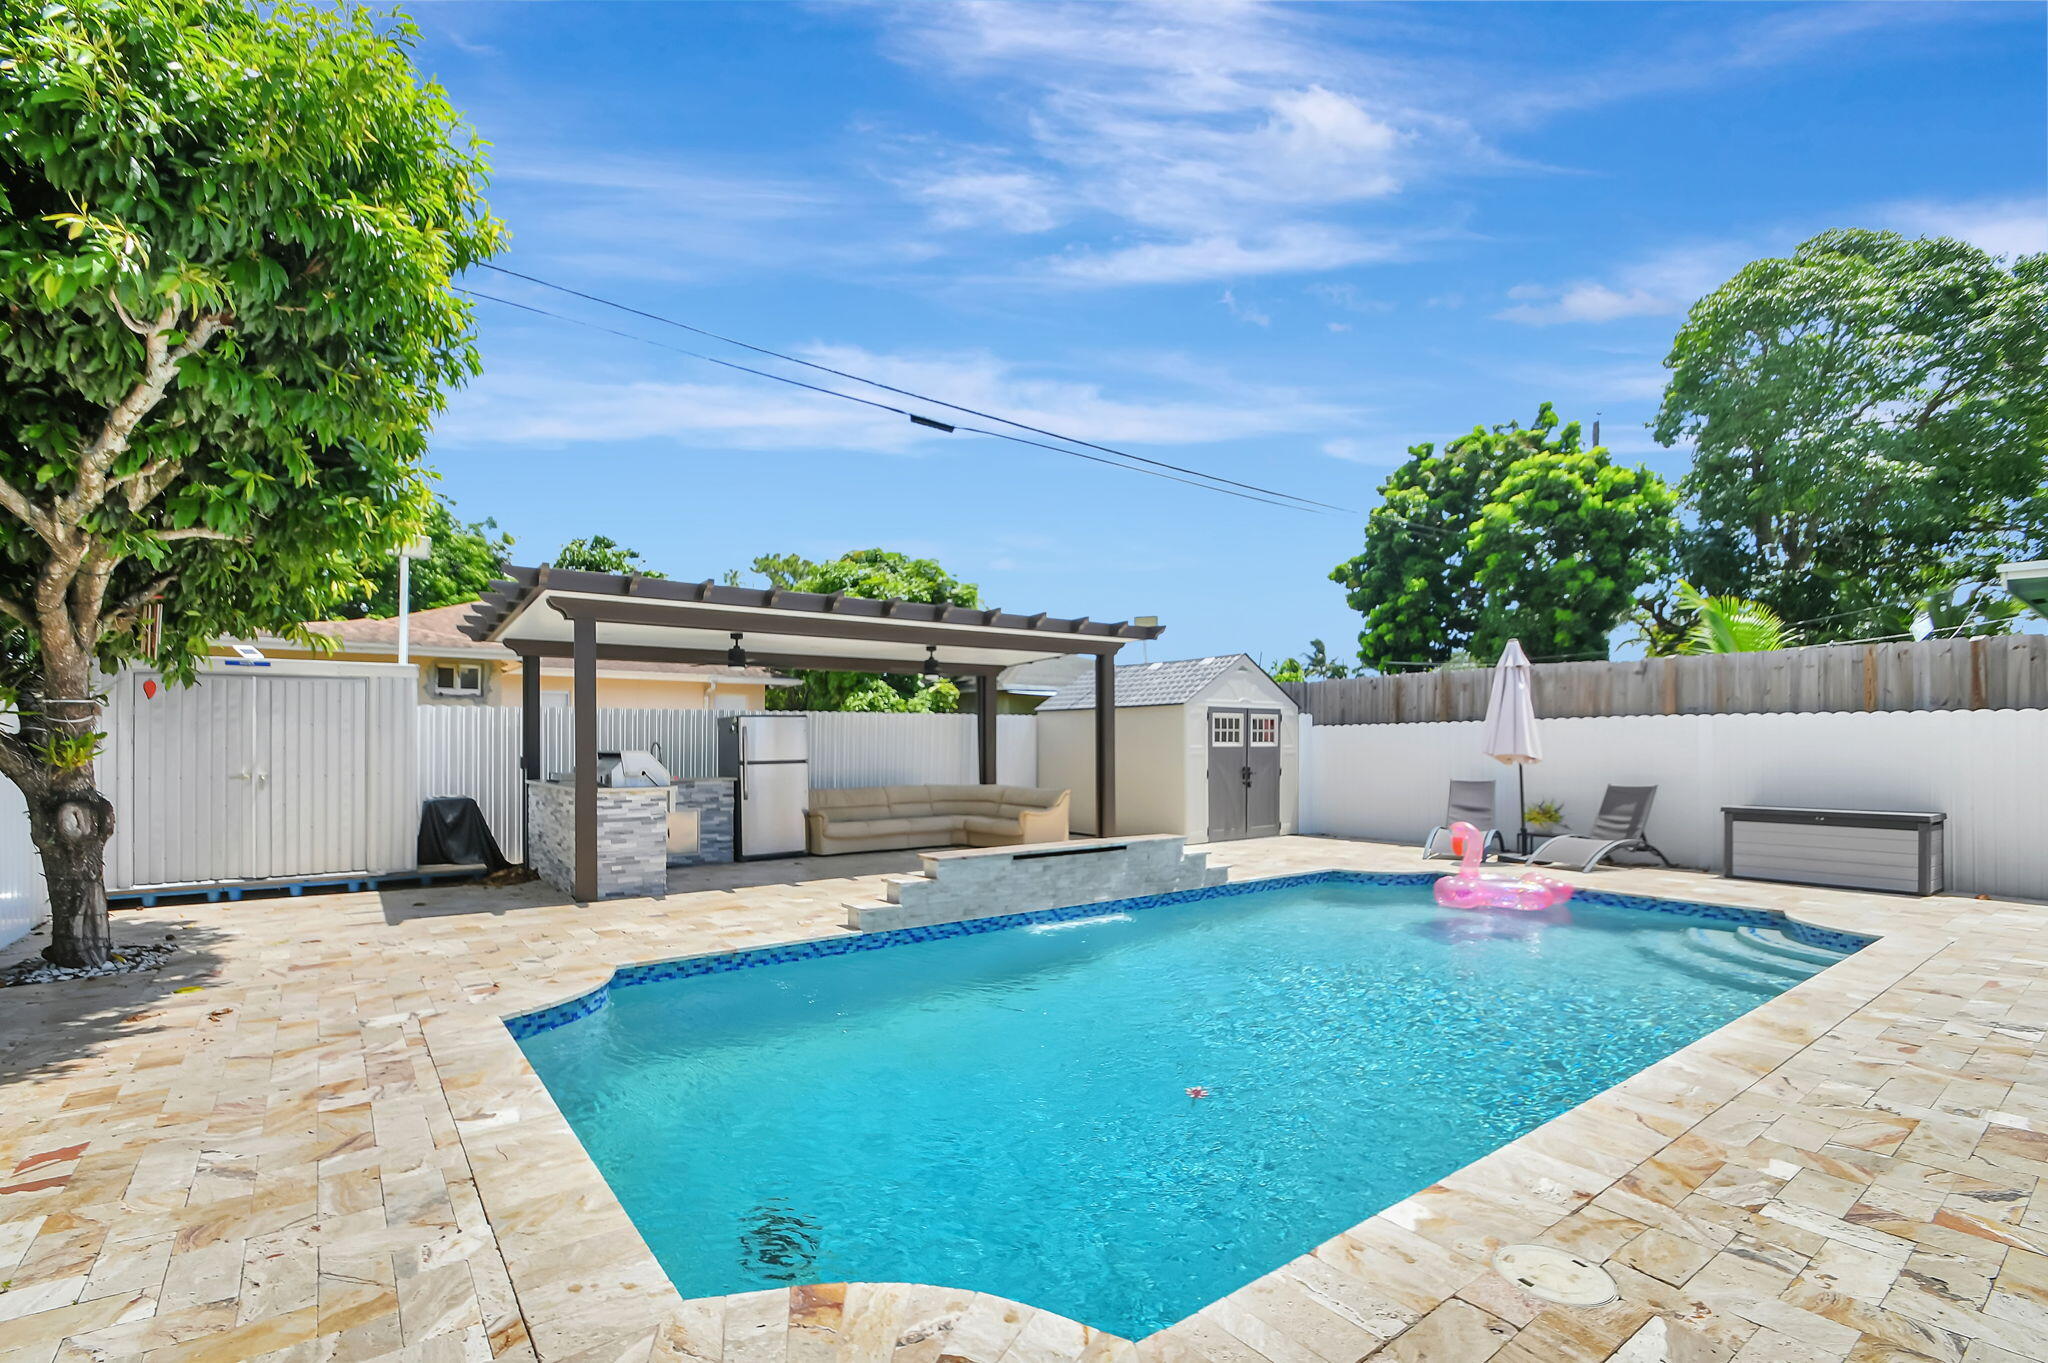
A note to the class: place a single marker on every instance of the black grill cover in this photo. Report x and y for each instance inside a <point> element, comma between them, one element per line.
<point>453,833</point>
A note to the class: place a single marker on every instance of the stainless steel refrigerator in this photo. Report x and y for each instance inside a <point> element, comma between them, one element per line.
<point>769,758</point>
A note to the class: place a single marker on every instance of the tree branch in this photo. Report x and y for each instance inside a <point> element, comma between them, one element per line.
<point>131,606</point>
<point>195,532</point>
<point>18,764</point>
<point>27,512</point>
<point>159,371</point>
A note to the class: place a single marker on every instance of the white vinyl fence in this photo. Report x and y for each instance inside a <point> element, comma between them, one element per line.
<point>475,752</point>
<point>1986,769</point>
<point>22,901</point>
<point>911,750</point>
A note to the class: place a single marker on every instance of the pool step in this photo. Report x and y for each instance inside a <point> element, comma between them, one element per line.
<point>1681,955</point>
<point>1718,956</point>
<point>1779,942</point>
<point>1733,949</point>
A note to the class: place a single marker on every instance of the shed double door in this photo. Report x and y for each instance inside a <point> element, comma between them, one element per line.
<point>1244,774</point>
<point>254,777</point>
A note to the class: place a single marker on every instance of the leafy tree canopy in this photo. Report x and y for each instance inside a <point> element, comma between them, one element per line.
<point>1317,666</point>
<point>226,241</point>
<point>465,558</point>
<point>601,554</point>
<point>1505,533</point>
<point>1729,624</point>
<point>1870,419</point>
<point>873,574</point>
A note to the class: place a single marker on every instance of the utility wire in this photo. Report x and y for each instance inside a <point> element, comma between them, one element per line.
<point>869,402</point>
<point>902,392</point>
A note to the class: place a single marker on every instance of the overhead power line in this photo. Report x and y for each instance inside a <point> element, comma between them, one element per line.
<point>903,392</point>
<point>869,402</point>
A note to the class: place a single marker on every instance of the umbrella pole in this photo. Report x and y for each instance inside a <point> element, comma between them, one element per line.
<point>1522,806</point>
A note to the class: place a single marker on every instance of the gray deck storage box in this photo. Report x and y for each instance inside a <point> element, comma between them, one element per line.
<point>1857,849</point>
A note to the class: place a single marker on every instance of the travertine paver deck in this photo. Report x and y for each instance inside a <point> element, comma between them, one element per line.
<point>332,1150</point>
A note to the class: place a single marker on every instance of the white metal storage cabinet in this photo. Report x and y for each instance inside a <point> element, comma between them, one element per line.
<point>276,772</point>
<point>1894,850</point>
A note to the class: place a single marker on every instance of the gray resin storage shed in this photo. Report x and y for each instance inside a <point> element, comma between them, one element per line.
<point>1205,747</point>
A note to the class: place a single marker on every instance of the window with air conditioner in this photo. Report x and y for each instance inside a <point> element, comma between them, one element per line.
<point>458,679</point>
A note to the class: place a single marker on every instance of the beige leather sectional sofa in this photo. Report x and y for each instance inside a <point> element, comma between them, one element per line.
<point>882,818</point>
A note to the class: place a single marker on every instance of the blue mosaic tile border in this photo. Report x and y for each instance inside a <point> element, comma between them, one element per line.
<point>626,977</point>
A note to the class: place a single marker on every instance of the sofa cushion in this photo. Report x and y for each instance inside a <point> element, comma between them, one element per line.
<point>1031,797</point>
<point>981,823</point>
<point>866,802</point>
<point>956,800</point>
<point>940,824</point>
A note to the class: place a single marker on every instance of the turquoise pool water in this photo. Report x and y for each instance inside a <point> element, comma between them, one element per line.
<point>1008,1111</point>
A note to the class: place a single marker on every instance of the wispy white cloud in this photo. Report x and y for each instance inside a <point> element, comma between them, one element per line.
<point>1010,200</point>
<point>1358,450</point>
<point>654,217</point>
<point>1348,297</point>
<point>1661,285</point>
<point>1244,312</point>
<point>533,406</point>
<point>2004,227</point>
<point>1286,250</point>
<point>1732,42</point>
<point>1215,138</point>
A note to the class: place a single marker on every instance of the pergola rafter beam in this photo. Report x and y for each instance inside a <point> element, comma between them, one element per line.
<point>646,653</point>
<point>823,625</point>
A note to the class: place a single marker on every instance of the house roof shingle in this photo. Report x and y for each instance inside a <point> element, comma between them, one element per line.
<point>1162,683</point>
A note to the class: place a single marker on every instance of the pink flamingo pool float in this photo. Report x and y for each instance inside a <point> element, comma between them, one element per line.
<point>1472,888</point>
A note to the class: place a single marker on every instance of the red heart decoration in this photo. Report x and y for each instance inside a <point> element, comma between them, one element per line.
<point>149,690</point>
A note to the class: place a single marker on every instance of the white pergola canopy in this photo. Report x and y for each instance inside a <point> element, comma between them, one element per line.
<point>542,613</point>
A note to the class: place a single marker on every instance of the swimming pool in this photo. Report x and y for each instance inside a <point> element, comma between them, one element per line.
<point>1004,1105</point>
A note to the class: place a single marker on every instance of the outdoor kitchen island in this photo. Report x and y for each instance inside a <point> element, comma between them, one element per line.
<point>641,832</point>
<point>632,837</point>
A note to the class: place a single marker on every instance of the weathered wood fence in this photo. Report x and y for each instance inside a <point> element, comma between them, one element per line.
<point>2007,672</point>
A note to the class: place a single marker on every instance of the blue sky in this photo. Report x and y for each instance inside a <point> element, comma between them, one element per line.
<point>1280,244</point>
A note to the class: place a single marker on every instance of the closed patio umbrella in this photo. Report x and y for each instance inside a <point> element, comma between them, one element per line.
<point>1510,733</point>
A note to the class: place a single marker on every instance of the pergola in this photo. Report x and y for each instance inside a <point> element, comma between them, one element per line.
<point>543,613</point>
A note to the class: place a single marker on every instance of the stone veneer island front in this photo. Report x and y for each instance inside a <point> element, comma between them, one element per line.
<point>632,838</point>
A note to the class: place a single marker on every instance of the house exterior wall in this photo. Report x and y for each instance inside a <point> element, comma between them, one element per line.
<point>501,683</point>
<point>644,693</point>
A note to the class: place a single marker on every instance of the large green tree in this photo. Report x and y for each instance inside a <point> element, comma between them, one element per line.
<point>1318,665</point>
<point>1870,421</point>
<point>464,558</point>
<point>602,554</point>
<point>226,241</point>
<point>1507,532</point>
<point>873,574</point>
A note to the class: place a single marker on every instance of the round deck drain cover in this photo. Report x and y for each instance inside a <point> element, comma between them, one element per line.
<point>1555,1276</point>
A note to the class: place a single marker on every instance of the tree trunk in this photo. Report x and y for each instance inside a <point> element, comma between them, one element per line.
<point>71,823</point>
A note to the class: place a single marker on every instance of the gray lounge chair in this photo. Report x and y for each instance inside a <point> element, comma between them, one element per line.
<point>1624,812</point>
<point>1471,802</point>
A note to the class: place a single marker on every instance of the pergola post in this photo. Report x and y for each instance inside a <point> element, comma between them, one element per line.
<point>985,725</point>
<point>529,745</point>
<point>1105,744</point>
<point>583,697</point>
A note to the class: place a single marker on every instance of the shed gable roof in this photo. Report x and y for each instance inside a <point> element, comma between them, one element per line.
<point>1163,683</point>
